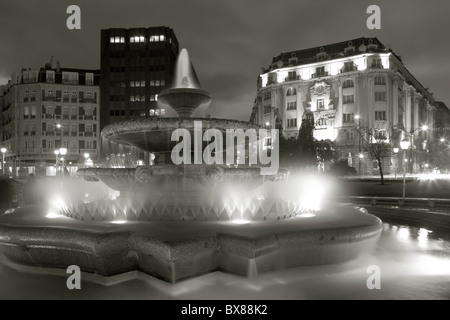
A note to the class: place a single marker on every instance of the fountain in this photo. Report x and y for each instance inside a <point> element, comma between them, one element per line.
<point>177,220</point>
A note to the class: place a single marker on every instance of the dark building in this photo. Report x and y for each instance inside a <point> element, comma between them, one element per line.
<point>442,121</point>
<point>136,64</point>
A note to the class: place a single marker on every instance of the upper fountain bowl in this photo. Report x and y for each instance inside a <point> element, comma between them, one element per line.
<point>185,94</point>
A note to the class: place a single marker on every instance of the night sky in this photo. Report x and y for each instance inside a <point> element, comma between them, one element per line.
<point>229,40</point>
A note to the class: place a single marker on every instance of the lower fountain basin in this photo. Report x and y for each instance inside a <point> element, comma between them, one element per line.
<point>178,250</point>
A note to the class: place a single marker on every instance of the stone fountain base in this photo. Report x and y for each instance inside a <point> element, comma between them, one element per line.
<point>178,250</point>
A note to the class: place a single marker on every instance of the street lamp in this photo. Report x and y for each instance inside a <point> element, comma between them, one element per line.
<point>3,157</point>
<point>56,160</point>
<point>411,145</point>
<point>63,152</point>
<point>404,144</point>
<point>395,149</point>
<point>359,145</point>
<point>86,159</point>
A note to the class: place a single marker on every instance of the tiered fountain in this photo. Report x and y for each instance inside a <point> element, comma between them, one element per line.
<point>178,221</point>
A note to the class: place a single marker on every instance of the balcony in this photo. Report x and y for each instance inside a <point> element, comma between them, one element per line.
<point>320,74</point>
<point>292,78</point>
<point>352,68</point>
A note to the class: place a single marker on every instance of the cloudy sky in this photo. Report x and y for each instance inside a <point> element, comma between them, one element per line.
<point>229,40</point>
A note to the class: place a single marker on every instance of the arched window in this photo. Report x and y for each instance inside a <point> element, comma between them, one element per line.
<point>321,123</point>
<point>291,92</point>
<point>348,84</point>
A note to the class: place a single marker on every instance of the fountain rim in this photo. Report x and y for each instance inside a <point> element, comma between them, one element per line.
<point>140,124</point>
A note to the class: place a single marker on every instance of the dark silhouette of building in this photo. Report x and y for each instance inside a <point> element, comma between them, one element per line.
<point>136,64</point>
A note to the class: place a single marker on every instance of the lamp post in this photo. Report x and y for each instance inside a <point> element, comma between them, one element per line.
<point>86,159</point>
<point>56,160</point>
<point>411,145</point>
<point>404,144</point>
<point>395,149</point>
<point>3,161</point>
<point>359,144</point>
<point>63,152</point>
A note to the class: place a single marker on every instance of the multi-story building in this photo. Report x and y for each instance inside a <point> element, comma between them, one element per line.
<point>45,110</point>
<point>442,121</point>
<point>136,64</point>
<point>347,86</point>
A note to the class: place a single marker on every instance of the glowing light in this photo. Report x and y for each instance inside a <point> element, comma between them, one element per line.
<point>240,221</point>
<point>53,215</point>
<point>119,221</point>
<point>424,127</point>
<point>403,233</point>
<point>307,215</point>
<point>311,193</point>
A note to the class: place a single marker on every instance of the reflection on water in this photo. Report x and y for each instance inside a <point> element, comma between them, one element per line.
<point>414,264</point>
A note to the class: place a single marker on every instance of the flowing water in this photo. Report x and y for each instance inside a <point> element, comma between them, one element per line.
<point>414,263</point>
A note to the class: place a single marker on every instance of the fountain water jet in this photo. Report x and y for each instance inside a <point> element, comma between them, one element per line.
<point>174,219</point>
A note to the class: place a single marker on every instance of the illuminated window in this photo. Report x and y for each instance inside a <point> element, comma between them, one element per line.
<point>154,38</point>
<point>163,112</point>
<point>152,112</point>
<point>117,39</point>
<point>131,98</point>
<point>154,97</point>
<point>137,39</point>
<point>162,37</point>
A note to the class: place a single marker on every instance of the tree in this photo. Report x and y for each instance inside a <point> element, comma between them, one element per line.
<point>306,143</point>
<point>377,144</point>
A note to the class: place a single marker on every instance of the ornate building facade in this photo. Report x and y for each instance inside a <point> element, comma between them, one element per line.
<point>44,110</point>
<point>348,86</point>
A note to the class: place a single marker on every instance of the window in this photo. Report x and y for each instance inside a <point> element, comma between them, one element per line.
<point>348,84</point>
<point>73,130</point>
<point>267,95</point>
<point>73,113</point>
<point>291,122</point>
<point>292,75</point>
<point>291,105</point>
<point>376,63</point>
<point>380,96</point>
<point>380,80</point>
<point>156,38</point>
<point>291,92</point>
<point>25,129</point>
<point>380,134</point>
<point>380,115</point>
<point>348,66</point>
<point>267,109</point>
<point>33,96</point>
<point>349,136</point>
<point>321,123</point>
<point>26,94</point>
<point>137,39</point>
<point>152,112</point>
<point>347,117</point>
<point>320,71</point>
<point>65,113</point>
<point>153,97</point>
<point>74,96</point>
<point>50,76</point>
<point>117,39</point>
<point>348,98</point>
<point>320,103</point>
<point>26,112</point>
<point>89,79</point>
<point>33,112</point>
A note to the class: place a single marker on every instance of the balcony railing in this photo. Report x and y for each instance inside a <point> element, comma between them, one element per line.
<point>320,74</point>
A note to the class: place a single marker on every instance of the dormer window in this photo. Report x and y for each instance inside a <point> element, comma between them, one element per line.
<point>350,49</point>
<point>372,46</point>
<point>322,54</point>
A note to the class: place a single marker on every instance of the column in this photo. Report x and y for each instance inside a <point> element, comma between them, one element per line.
<point>395,102</point>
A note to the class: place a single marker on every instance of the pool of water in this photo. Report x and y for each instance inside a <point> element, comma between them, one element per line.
<point>413,263</point>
